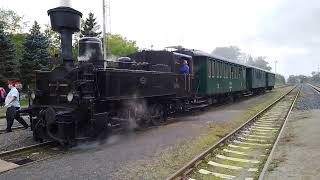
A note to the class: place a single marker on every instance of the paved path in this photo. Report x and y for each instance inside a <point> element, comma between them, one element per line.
<point>297,155</point>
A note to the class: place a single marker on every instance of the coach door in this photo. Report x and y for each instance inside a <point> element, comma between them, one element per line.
<point>184,81</point>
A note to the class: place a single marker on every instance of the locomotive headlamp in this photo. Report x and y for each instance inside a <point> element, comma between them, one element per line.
<point>33,95</point>
<point>70,96</point>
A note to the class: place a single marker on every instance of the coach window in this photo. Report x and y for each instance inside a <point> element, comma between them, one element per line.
<point>209,68</point>
<point>215,69</point>
<point>236,73</point>
<point>225,74</point>
<point>212,69</point>
<point>221,70</point>
<point>232,72</point>
<point>226,70</point>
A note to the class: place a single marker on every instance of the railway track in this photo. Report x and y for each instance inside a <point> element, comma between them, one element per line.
<point>26,155</point>
<point>316,88</point>
<point>2,131</point>
<point>245,152</point>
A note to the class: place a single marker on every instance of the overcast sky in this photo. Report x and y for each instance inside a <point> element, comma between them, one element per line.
<point>284,30</point>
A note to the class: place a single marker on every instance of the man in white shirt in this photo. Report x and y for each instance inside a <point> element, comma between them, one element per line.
<point>13,104</point>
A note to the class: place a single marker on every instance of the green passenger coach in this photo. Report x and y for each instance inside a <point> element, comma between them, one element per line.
<point>216,75</point>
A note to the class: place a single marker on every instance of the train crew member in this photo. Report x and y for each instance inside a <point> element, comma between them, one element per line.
<point>12,102</point>
<point>2,96</point>
<point>185,68</point>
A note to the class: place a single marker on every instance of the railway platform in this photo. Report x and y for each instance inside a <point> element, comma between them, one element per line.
<point>297,154</point>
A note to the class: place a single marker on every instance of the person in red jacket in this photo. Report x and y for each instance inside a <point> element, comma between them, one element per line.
<point>2,96</point>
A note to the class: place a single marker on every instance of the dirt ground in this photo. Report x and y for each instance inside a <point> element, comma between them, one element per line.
<point>297,155</point>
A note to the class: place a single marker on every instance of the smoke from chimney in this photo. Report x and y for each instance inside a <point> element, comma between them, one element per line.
<point>65,3</point>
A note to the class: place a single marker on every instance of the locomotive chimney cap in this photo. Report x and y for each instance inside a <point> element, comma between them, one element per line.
<point>65,18</point>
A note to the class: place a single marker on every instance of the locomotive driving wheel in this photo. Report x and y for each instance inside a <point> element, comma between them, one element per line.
<point>157,114</point>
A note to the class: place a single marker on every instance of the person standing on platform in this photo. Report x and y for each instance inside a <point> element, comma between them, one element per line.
<point>12,102</point>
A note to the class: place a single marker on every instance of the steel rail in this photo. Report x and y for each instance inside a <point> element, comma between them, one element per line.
<point>316,88</point>
<point>181,173</point>
<point>279,136</point>
<point>2,131</point>
<point>26,148</point>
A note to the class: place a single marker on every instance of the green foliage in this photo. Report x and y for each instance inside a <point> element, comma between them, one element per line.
<point>35,54</point>
<point>12,22</point>
<point>91,28</point>
<point>232,53</point>
<point>280,80</point>
<point>8,66</point>
<point>120,46</point>
<point>75,46</point>
<point>259,62</point>
<point>315,78</point>
<point>18,40</point>
<point>53,40</point>
<point>298,79</point>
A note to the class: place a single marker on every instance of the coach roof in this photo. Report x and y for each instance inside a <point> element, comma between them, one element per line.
<point>194,52</point>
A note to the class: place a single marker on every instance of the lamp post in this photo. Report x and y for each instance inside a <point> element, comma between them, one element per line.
<point>104,31</point>
<point>275,66</point>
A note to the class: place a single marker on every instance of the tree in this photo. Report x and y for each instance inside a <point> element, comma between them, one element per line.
<point>53,40</point>
<point>91,27</point>
<point>8,68</point>
<point>298,79</point>
<point>280,80</point>
<point>250,60</point>
<point>315,78</point>
<point>75,46</point>
<point>120,46</point>
<point>12,22</point>
<point>35,54</point>
<point>259,62</point>
<point>232,53</point>
<point>18,40</point>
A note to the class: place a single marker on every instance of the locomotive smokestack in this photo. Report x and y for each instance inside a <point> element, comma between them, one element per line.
<point>66,21</point>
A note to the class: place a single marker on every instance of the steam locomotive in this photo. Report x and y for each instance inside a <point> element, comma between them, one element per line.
<point>94,96</point>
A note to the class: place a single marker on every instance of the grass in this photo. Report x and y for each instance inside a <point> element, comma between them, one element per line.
<point>23,103</point>
<point>171,159</point>
<point>275,163</point>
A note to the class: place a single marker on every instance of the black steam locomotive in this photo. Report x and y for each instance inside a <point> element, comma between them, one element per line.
<point>94,96</point>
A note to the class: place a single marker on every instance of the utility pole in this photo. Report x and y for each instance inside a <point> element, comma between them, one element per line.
<point>275,67</point>
<point>105,41</point>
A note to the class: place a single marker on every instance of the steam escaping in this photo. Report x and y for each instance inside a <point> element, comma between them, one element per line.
<point>65,3</point>
<point>87,55</point>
